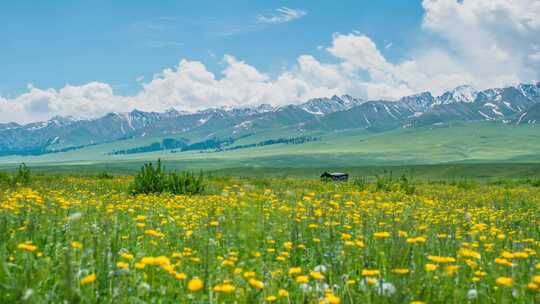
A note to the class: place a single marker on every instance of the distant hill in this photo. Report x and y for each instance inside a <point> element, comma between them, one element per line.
<point>511,105</point>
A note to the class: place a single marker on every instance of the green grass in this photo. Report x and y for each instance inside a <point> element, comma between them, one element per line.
<point>479,143</point>
<point>67,239</point>
<point>448,172</point>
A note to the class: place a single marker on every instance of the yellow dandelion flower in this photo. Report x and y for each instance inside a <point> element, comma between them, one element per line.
<point>302,279</point>
<point>127,256</point>
<point>88,279</point>
<point>532,286</point>
<point>76,245</point>
<point>316,275</point>
<point>382,234</point>
<point>330,298</point>
<point>27,246</point>
<point>504,281</point>
<point>430,267</point>
<point>441,259</point>
<point>256,283</point>
<point>400,270</point>
<point>464,252</point>
<point>195,284</point>
<point>370,272</point>
<point>295,271</point>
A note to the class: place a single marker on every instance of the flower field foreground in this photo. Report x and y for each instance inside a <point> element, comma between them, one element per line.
<point>257,241</point>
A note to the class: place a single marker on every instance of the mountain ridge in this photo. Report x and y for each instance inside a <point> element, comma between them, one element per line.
<point>513,104</point>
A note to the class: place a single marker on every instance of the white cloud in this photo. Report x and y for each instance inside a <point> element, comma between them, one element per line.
<point>492,39</point>
<point>282,15</point>
<point>485,43</point>
<point>89,100</point>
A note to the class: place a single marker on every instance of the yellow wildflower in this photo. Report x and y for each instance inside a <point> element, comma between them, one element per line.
<point>195,284</point>
<point>504,281</point>
<point>88,279</point>
<point>256,283</point>
<point>76,245</point>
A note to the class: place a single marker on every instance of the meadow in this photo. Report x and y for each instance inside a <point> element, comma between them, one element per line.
<point>479,143</point>
<point>77,239</point>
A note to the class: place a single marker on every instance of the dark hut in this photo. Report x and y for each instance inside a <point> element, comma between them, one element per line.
<point>335,176</point>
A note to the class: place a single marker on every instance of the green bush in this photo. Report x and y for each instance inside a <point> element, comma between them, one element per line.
<point>5,179</point>
<point>150,179</point>
<point>464,184</point>
<point>387,183</point>
<point>153,179</point>
<point>185,183</point>
<point>406,186</point>
<point>22,176</point>
<point>360,183</point>
<point>104,175</point>
<point>535,182</point>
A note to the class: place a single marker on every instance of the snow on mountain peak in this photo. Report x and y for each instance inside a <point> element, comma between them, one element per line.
<point>324,106</point>
<point>464,93</point>
<point>418,102</point>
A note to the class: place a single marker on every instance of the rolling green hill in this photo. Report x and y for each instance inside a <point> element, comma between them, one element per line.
<point>464,143</point>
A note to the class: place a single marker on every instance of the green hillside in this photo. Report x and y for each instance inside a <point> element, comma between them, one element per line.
<point>454,143</point>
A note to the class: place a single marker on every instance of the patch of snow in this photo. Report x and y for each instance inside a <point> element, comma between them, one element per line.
<point>202,121</point>
<point>496,111</point>
<point>389,112</point>
<point>521,117</point>
<point>367,120</point>
<point>319,112</point>
<point>485,115</point>
<point>509,105</point>
<point>244,124</point>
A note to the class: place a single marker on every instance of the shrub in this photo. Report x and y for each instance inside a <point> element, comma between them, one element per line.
<point>535,183</point>
<point>464,184</point>
<point>150,179</point>
<point>5,179</point>
<point>185,183</point>
<point>153,179</point>
<point>406,186</point>
<point>387,183</point>
<point>22,176</point>
<point>384,182</point>
<point>360,183</point>
<point>104,175</point>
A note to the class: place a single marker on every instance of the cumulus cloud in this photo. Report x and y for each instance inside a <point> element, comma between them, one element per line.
<point>484,43</point>
<point>89,100</point>
<point>282,15</point>
<point>494,40</point>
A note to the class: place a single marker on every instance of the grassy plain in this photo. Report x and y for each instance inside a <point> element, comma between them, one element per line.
<point>449,144</point>
<point>282,240</point>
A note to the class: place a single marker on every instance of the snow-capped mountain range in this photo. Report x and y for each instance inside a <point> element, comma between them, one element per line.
<point>511,105</point>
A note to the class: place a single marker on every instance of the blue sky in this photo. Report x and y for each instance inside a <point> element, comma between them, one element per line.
<point>51,43</point>
<point>88,58</point>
